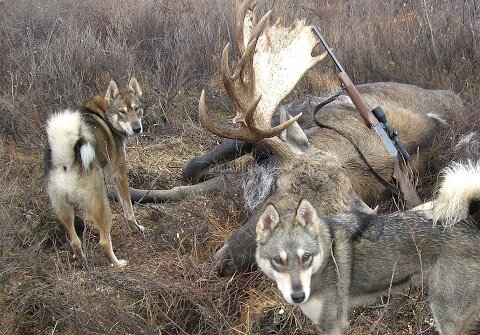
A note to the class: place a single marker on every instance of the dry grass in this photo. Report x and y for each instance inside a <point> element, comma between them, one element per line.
<point>57,53</point>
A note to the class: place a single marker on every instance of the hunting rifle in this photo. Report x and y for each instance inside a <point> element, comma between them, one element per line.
<point>377,120</point>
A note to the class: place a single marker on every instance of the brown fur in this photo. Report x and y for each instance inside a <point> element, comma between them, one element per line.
<point>103,126</point>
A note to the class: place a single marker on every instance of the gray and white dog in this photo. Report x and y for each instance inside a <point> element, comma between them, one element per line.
<point>326,265</point>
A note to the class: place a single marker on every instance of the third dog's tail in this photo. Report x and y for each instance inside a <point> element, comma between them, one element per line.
<point>459,193</point>
<point>69,139</point>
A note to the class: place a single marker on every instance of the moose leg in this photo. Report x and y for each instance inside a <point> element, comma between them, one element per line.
<point>238,252</point>
<point>196,169</point>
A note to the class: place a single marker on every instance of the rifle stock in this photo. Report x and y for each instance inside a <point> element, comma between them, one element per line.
<point>362,107</point>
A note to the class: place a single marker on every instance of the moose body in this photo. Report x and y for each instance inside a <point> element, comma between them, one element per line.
<point>321,163</point>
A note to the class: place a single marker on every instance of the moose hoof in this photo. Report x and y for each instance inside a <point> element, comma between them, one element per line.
<point>223,262</point>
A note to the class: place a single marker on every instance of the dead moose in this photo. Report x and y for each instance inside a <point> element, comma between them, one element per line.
<point>316,163</point>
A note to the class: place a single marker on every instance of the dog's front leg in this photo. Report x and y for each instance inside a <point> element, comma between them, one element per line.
<point>329,323</point>
<point>326,311</point>
<point>121,186</point>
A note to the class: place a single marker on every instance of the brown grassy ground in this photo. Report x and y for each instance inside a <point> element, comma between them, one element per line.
<point>57,53</point>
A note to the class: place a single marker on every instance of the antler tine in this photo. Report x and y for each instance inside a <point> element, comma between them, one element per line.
<point>244,132</point>
<point>279,21</point>
<point>247,54</point>
<point>272,131</point>
<point>235,87</point>
<point>241,86</point>
<point>244,73</point>
<point>244,65</point>
<point>260,26</point>
<point>227,80</point>
<point>222,131</point>
<point>242,35</point>
<point>250,112</point>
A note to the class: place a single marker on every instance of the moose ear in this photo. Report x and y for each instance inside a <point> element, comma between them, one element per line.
<point>134,87</point>
<point>307,217</point>
<point>294,134</point>
<point>112,90</point>
<point>267,223</point>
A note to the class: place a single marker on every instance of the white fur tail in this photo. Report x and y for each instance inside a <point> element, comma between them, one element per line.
<point>460,186</point>
<point>64,130</point>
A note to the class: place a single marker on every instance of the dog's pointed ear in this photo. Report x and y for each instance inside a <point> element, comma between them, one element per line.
<point>112,90</point>
<point>134,87</point>
<point>267,223</point>
<point>307,217</point>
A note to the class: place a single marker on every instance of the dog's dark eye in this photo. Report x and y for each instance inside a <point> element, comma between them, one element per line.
<point>122,113</point>
<point>306,257</point>
<point>278,260</point>
<point>138,110</point>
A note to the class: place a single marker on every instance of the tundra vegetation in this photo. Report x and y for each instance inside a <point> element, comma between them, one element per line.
<point>59,53</point>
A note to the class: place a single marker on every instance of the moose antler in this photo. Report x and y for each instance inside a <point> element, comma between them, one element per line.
<point>273,59</point>
<point>245,14</point>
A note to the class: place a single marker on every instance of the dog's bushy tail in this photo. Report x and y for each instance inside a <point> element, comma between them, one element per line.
<point>68,138</point>
<point>458,193</point>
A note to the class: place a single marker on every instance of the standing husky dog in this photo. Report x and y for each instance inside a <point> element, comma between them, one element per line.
<point>84,147</point>
<point>328,264</point>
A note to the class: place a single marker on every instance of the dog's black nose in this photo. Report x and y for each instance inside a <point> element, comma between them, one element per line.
<point>137,128</point>
<point>298,297</point>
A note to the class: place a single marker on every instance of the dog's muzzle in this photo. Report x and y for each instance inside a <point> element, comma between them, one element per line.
<point>137,127</point>
<point>298,297</point>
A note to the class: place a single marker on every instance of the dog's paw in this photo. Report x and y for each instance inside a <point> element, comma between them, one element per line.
<point>135,227</point>
<point>78,254</point>
<point>121,264</point>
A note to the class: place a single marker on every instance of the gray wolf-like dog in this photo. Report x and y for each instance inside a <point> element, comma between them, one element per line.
<point>326,265</point>
<point>85,148</point>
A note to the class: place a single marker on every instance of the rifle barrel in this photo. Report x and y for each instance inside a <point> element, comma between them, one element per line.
<point>329,50</point>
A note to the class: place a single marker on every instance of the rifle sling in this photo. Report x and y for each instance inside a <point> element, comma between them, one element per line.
<point>326,102</point>
<point>389,186</point>
<point>406,190</point>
